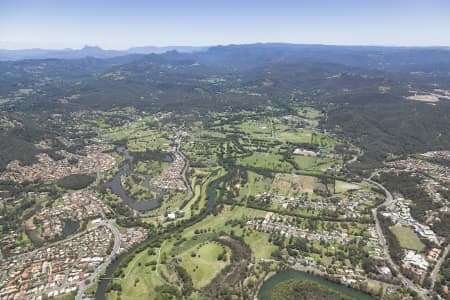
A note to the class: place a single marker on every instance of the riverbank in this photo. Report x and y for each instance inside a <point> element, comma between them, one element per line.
<point>116,187</point>
<point>264,292</point>
<point>103,282</point>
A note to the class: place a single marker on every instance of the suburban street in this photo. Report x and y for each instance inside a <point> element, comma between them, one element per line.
<point>438,265</point>
<point>389,199</point>
<point>91,280</point>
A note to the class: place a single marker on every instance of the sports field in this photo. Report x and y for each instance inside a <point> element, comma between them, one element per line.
<point>407,238</point>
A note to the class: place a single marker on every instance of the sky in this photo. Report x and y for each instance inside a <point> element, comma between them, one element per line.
<point>120,24</point>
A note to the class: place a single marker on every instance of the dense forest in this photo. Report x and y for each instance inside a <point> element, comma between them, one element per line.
<point>76,181</point>
<point>409,186</point>
<point>396,127</point>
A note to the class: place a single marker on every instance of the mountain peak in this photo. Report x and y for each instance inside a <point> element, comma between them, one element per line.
<point>88,47</point>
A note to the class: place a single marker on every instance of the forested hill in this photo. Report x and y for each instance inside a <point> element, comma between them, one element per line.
<point>362,89</point>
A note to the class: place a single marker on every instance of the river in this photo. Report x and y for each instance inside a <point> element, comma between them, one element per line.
<point>106,278</point>
<point>265,291</point>
<point>116,186</point>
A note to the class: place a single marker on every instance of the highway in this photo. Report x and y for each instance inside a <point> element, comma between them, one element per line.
<point>389,200</point>
<point>82,287</point>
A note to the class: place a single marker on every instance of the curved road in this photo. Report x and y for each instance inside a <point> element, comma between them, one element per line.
<point>437,266</point>
<point>82,287</point>
<point>389,200</point>
<point>183,175</point>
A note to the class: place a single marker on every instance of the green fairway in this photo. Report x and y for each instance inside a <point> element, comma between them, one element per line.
<point>258,242</point>
<point>309,163</point>
<point>267,160</point>
<point>256,184</point>
<point>140,279</point>
<point>204,266</point>
<point>295,136</point>
<point>153,167</point>
<point>342,186</point>
<point>151,140</point>
<point>218,222</point>
<point>257,129</point>
<point>407,238</point>
<point>305,162</point>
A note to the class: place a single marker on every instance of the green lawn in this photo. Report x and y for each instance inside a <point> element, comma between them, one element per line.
<point>306,162</point>
<point>342,186</point>
<point>204,266</point>
<point>258,242</point>
<point>218,222</point>
<point>257,129</point>
<point>151,140</point>
<point>195,195</point>
<point>309,113</point>
<point>295,136</point>
<point>270,161</point>
<point>407,238</point>
<point>256,184</point>
<point>309,163</point>
<point>140,280</point>
<point>154,168</point>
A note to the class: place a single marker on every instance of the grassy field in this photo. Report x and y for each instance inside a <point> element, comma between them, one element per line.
<point>204,265</point>
<point>125,131</point>
<point>274,129</point>
<point>268,160</point>
<point>309,163</point>
<point>256,184</point>
<point>295,136</point>
<point>139,279</point>
<point>309,113</point>
<point>258,242</point>
<point>139,136</point>
<point>154,168</point>
<point>260,129</point>
<point>285,183</point>
<point>276,163</point>
<point>289,185</point>
<point>306,162</point>
<point>218,222</point>
<point>342,186</point>
<point>195,195</point>
<point>151,140</point>
<point>407,238</point>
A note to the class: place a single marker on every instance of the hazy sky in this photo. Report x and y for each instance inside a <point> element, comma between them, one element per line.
<point>115,24</point>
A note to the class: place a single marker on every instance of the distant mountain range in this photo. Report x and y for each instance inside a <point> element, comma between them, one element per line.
<point>88,51</point>
<point>258,53</point>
